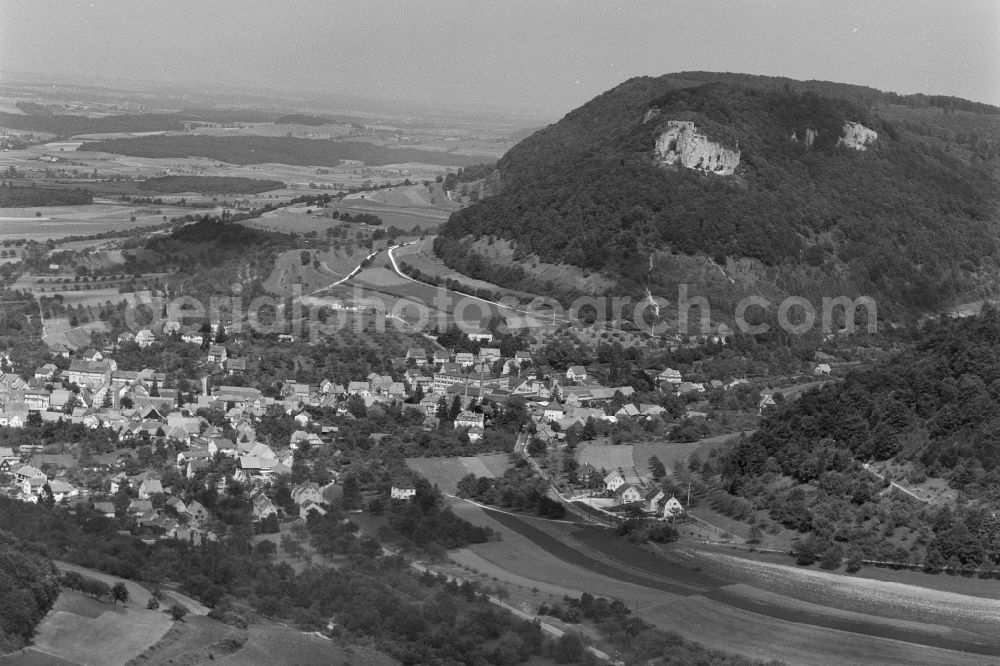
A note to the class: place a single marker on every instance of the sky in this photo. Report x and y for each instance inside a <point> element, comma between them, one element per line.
<point>544,55</point>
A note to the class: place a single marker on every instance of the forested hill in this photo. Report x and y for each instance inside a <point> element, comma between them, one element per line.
<point>912,218</point>
<point>935,407</point>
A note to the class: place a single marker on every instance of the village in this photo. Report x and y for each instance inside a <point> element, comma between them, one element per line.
<point>210,437</point>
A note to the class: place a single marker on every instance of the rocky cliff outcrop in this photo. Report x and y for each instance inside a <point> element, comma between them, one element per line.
<point>681,144</point>
<point>857,136</point>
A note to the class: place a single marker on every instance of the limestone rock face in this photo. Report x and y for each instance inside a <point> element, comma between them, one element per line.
<point>857,136</point>
<point>681,144</point>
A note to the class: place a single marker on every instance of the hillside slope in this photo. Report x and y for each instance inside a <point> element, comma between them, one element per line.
<point>808,186</point>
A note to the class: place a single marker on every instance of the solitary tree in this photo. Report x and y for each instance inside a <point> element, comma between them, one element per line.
<point>178,611</point>
<point>119,592</point>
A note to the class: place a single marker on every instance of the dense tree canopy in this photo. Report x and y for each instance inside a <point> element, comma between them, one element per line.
<point>906,218</point>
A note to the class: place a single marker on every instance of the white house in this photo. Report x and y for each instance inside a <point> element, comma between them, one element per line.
<point>145,338</point>
<point>669,376</point>
<point>402,492</point>
<point>150,487</point>
<point>672,508</point>
<point>576,373</point>
<point>822,369</point>
<point>628,494</point>
<point>469,420</point>
<point>553,411</point>
<point>614,480</point>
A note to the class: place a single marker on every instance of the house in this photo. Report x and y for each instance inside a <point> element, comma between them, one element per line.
<point>307,492</point>
<point>249,468</point>
<point>362,389</point>
<point>628,494</point>
<point>46,372</point>
<point>197,511</point>
<point>236,365</point>
<point>92,374</point>
<point>118,483</point>
<point>553,411</point>
<point>465,359</point>
<point>34,485</point>
<point>669,376</point>
<point>403,491</point>
<point>417,354</point>
<point>469,420</point>
<point>653,499</point>
<point>262,507</point>
<point>489,354</point>
<point>480,336</point>
<point>177,504</point>
<point>822,369</point>
<point>150,487</point>
<point>576,373</point>
<point>145,338</point>
<point>92,355</point>
<point>24,472</point>
<point>217,354</point>
<point>689,387</point>
<point>627,412</point>
<point>309,507</point>
<point>441,357</point>
<point>614,481</point>
<point>37,399</point>
<point>139,506</point>
<point>106,509</point>
<point>672,508</point>
<point>62,490</point>
<point>766,400</point>
<point>475,434</point>
<point>7,455</point>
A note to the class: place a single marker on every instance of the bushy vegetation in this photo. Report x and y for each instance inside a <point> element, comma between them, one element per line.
<point>372,598</point>
<point>283,150</point>
<point>29,586</point>
<point>209,185</point>
<point>905,219</point>
<point>14,196</point>
<point>519,488</point>
<point>934,409</point>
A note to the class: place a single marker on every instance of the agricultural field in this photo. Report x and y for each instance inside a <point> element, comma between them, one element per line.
<point>407,196</point>
<point>445,473</point>
<point>671,453</point>
<point>406,218</point>
<point>722,627</point>
<point>606,456</point>
<point>81,630</point>
<point>711,610</point>
<point>198,639</point>
<point>54,222</point>
<point>58,331</point>
<point>289,271</point>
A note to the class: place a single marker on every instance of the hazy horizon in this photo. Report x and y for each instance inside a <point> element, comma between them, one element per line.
<point>546,57</point>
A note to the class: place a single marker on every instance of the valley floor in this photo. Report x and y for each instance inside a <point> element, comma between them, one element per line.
<point>780,612</point>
